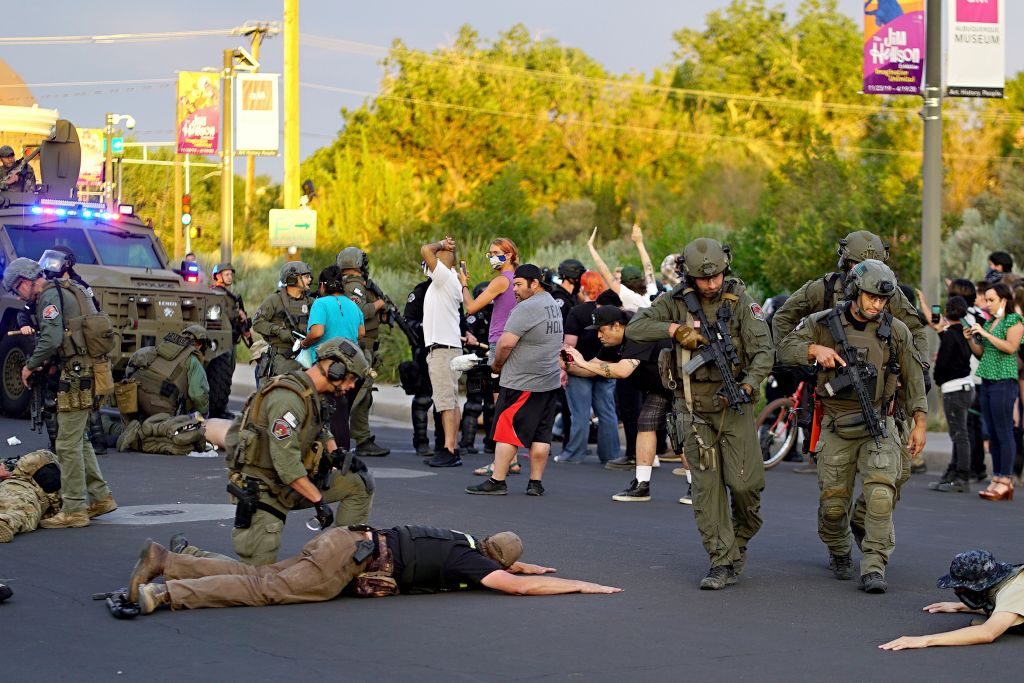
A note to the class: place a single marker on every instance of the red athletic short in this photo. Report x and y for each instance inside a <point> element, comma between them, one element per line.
<point>524,417</point>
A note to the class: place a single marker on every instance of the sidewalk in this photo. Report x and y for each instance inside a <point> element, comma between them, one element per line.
<point>392,403</point>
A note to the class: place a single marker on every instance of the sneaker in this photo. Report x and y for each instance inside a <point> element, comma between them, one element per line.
<point>153,596</point>
<point>101,507</point>
<point>688,498</point>
<point>947,476</point>
<point>178,543</point>
<point>66,520</point>
<point>622,463</point>
<point>445,458</point>
<point>565,458</point>
<point>841,566</point>
<point>370,449</point>
<point>5,592</point>
<point>534,488</point>
<point>670,457</point>
<point>739,565</point>
<point>489,487</point>
<point>873,582</point>
<point>657,462</point>
<point>638,492</point>
<point>919,467</point>
<point>718,578</point>
<point>680,471</point>
<point>954,486</point>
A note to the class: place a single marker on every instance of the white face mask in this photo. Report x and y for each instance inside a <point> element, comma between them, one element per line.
<point>1001,311</point>
<point>497,261</point>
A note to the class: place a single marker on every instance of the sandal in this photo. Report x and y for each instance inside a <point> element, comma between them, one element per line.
<point>515,467</point>
<point>488,470</point>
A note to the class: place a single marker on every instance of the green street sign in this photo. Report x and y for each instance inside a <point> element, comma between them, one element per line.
<point>293,228</point>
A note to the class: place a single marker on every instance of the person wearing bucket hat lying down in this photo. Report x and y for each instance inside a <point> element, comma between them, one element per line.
<point>984,586</point>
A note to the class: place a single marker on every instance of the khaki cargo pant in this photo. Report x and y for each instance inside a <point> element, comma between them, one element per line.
<point>727,487</point>
<point>839,462</point>
<point>258,545</point>
<point>320,572</point>
<point>860,507</point>
<point>80,476</point>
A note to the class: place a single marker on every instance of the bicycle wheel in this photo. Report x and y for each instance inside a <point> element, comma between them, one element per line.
<point>777,430</point>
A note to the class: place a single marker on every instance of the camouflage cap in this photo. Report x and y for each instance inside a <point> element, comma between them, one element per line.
<point>345,351</point>
<point>862,245</point>
<point>21,269</point>
<point>505,548</point>
<point>873,277</point>
<point>30,463</point>
<point>6,151</point>
<point>259,347</point>
<point>705,257</point>
<point>351,257</point>
<point>975,570</point>
<point>197,332</point>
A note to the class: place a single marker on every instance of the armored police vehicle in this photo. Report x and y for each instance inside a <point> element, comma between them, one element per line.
<point>119,256</point>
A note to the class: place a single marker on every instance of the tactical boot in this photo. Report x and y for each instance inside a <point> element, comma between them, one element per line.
<point>947,476</point>
<point>957,485</point>
<point>149,566</point>
<point>66,520</point>
<point>918,466</point>
<point>5,592</point>
<point>101,507</point>
<point>841,566</point>
<point>153,596</point>
<point>638,492</point>
<point>622,463</point>
<point>424,450</point>
<point>6,533</point>
<point>489,487</point>
<point>178,543</point>
<point>873,582</point>
<point>370,449</point>
<point>718,578</point>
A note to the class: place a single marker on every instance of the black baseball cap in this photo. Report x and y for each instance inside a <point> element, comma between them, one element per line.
<point>606,315</point>
<point>528,272</point>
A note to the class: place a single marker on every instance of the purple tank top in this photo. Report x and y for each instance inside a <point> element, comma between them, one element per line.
<point>503,305</point>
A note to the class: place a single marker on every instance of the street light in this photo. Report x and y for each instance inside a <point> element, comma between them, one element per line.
<point>108,165</point>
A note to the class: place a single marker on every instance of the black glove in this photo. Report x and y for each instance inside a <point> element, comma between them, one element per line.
<point>324,516</point>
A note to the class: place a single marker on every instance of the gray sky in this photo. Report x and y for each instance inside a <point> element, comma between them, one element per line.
<point>624,36</point>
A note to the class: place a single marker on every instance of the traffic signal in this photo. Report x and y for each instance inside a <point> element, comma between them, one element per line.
<point>186,209</point>
<point>194,231</point>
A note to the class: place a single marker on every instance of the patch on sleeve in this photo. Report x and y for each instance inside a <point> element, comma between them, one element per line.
<point>412,297</point>
<point>755,310</point>
<point>50,312</point>
<point>357,291</point>
<point>281,429</point>
<point>799,325</point>
<point>289,417</point>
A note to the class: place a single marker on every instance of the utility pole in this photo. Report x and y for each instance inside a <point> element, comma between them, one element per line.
<point>227,165</point>
<point>108,162</point>
<point>179,253</point>
<point>931,113</point>
<point>291,104</point>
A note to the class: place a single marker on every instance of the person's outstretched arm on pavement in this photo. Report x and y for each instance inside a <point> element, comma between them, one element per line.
<point>987,632</point>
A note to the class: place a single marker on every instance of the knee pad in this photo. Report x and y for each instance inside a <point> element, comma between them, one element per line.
<point>833,510</point>
<point>879,501</point>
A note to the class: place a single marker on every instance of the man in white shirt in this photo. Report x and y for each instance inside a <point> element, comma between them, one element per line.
<point>443,338</point>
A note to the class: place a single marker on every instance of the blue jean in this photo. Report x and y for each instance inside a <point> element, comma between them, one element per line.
<point>997,399</point>
<point>584,393</point>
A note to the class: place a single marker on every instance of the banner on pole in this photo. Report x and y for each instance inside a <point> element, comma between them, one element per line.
<point>91,171</point>
<point>198,115</point>
<point>976,52</point>
<point>894,40</point>
<point>257,130</point>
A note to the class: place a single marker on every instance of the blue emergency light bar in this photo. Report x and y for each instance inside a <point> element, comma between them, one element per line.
<point>78,210</point>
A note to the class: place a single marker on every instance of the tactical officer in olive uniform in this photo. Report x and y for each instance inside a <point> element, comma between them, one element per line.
<point>61,305</point>
<point>282,443</point>
<point>171,375</point>
<point>280,317</point>
<point>720,442</point>
<point>354,264</point>
<point>826,293</point>
<point>881,353</point>
<point>234,311</point>
<point>23,181</point>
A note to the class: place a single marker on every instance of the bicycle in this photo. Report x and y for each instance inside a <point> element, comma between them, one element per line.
<point>778,427</point>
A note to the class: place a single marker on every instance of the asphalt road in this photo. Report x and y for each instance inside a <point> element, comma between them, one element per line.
<point>787,619</point>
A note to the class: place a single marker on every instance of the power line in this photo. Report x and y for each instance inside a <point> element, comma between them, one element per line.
<point>120,37</point>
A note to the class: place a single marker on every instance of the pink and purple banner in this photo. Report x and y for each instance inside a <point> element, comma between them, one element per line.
<point>198,115</point>
<point>894,40</point>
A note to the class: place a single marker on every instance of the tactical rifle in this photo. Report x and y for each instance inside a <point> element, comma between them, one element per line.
<point>5,182</point>
<point>855,374</point>
<point>391,316</point>
<point>118,603</point>
<point>719,350</point>
<point>37,388</point>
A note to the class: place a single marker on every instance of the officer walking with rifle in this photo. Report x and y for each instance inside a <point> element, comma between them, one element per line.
<point>376,308</point>
<point>282,320</point>
<point>723,352</point>
<point>862,351</point>
<point>281,455</point>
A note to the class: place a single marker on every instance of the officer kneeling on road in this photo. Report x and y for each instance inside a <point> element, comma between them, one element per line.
<point>171,376</point>
<point>359,561</point>
<point>281,455</point>
<point>29,492</point>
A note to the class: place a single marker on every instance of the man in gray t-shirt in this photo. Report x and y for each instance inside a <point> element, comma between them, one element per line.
<point>526,357</point>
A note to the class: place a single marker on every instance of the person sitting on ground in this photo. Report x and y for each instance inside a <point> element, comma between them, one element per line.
<point>984,586</point>
<point>355,561</point>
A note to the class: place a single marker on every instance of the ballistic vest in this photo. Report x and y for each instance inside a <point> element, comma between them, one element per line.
<point>874,346</point>
<point>295,315</point>
<point>424,550</point>
<point>162,374</point>
<point>88,333</point>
